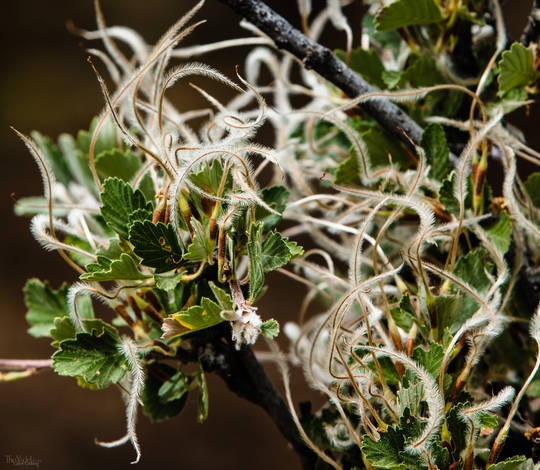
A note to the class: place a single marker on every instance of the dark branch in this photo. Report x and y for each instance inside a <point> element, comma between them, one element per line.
<point>244,376</point>
<point>323,61</point>
<point>532,30</point>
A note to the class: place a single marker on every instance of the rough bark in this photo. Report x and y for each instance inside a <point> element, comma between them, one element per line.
<point>245,376</point>
<point>323,61</point>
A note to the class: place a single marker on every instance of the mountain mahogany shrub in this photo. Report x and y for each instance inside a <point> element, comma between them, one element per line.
<point>428,341</point>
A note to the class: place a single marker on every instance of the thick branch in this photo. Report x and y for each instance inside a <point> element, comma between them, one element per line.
<point>532,30</point>
<point>245,376</point>
<point>323,61</point>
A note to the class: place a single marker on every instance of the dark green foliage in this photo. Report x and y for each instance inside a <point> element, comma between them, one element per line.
<point>436,149</point>
<point>154,407</point>
<point>92,356</point>
<point>156,244</point>
<point>276,197</point>
<point>44,305</point>
<point>403,13</point>
<point>119,201</point>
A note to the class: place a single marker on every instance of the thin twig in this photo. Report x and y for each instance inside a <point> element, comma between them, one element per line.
<point>21,364</point>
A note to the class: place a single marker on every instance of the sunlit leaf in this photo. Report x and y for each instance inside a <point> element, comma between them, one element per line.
<point>403,13</point>
<point>516,68</point>
<point>110,270</point>
<point>156,244</point>
<point>119,201</point>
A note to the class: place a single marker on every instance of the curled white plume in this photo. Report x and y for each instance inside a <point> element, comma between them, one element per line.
<point>339,20</point>
<point>535,325</point>
<point>128,348</point>
<point>431,395</point>
<point>47,175</point>
<point>40,226</point>
<point>80,288</point>
<point>493,404</point>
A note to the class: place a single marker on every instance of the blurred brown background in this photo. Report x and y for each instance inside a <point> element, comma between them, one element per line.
<point>47,85</point>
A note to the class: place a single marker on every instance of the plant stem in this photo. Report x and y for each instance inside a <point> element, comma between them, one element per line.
<point>532,30</point>
<point>244,375</point>
<point>321,59</point>
<point>21,364</point>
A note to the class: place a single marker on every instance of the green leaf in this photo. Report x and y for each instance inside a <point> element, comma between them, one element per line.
<point>392,78</point>
<point>446,194</point>
<point>366,63</point>
<point>389,40</point>
<point>384,453</point>
<point>533,187</point>
<point>140,215</point>
<point>347,173</point>
<point>488,420</point>
<point>174,388</point>
<point>224,298</point>
<point>423,71</point>
<point>173,302</point>
<point>407,13</point>
<point>209,177</point>
<point>379,145</point>
<point>295,249</point>
<point>119,201</point>
<point>436,149</point>
<point>36,205</point>
<point>512,463</point>
<point>402,318</point>
<point>202,247</point>
<point>156,244</point>
<point>115,163</point>
<point>256,270</point>
<point>457,427</point>
<point>78,162</point>
<point>387,366</point>
<point>411,397</point>
<point>500,233</point>
<point>270,328</point>
<point>404,315</point>
<point>410,426</point>
<point>472,269</point>
<point>94,357</point>
<point>57,161</point>
<point>201,316</point>
<point>431,359</point>
<point>508,102</point>
<point>64,329</point>
<point>106,270</point>
<point>168,282</point>
<point>107,138</point>
<point>275,252</point>
<point>146,186</point>
<point>276,197</point>
<point>44,305</point>
<point>516,68</point>
<point>453,311</point>
<point>388,451</point>
<point>81,243</point>
<point>440,453</point>
<point>153,406</point>
<point>112,251</point>
<point>203,396</point>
